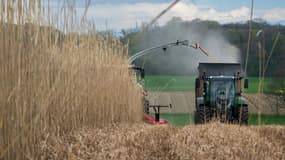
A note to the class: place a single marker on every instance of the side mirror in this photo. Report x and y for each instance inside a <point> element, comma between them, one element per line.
<point>197,83</point>
<point>246,83</point>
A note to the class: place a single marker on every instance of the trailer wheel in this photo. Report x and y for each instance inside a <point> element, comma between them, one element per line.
<point>242,115</point>
<point>204,114</point>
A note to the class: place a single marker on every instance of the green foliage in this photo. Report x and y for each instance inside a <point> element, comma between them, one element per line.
<point>133,39</point>
<point>277,85</point>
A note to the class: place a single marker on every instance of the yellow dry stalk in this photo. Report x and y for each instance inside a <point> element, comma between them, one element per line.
<point>53,83</point>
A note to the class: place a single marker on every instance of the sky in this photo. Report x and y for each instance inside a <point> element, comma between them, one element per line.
<point>125,14</point>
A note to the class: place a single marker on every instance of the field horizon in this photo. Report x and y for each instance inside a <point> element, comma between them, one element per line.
<point>187,83</point>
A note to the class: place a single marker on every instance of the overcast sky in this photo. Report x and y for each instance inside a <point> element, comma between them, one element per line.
<point>124,14</point>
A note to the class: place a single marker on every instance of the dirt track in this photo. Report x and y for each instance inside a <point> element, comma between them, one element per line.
<point>184,102</point>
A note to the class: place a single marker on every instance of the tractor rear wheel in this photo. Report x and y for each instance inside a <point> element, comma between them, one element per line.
<point>203,114</point>
<point>242,112</point>
<point>196,118</point>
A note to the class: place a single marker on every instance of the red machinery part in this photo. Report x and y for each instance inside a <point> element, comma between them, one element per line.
<point>151,120</point>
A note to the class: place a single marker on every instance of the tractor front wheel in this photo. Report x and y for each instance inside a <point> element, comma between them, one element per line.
<point>203,114</point>
<point>242,114</point>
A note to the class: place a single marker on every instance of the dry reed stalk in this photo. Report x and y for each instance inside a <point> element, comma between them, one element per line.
<point>263,65</point>
<point>52,83</point>
<point>141,141</point>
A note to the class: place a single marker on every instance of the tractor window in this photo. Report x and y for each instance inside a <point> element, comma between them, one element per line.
<point>222,89</point>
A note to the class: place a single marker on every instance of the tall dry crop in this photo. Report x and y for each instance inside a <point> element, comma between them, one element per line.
<point>52,83</point>
<point>209,141</point>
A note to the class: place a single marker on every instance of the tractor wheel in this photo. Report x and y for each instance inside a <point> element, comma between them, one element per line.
<point>242,115</point>
<point>204,114</point>
<point>196,118</point>
<point>146,106</point>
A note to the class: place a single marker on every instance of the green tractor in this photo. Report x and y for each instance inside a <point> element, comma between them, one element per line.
<point>218,94</point>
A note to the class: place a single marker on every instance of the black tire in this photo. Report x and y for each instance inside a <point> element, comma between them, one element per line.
<point>204,114</point>
<point>196,118</point>
<point>242,114</point>
<point>146,106</point>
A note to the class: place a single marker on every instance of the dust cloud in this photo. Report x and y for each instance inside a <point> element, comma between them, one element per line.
<point>183,60</point>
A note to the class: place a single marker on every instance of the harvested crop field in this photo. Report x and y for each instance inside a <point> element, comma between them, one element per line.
<point>142,141</point>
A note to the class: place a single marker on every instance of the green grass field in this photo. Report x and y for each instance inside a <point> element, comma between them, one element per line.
<point>187,83</point>
<point>170,83</point>
<point>182,119</point>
